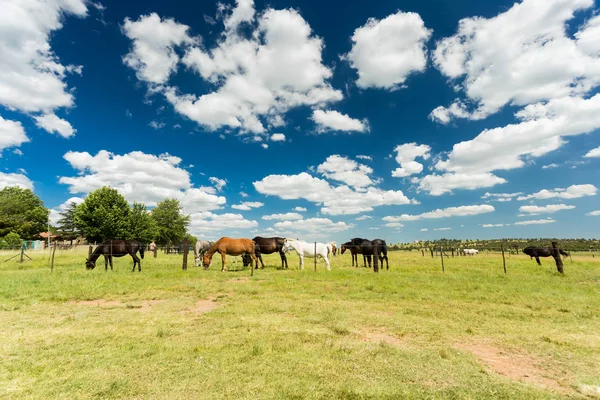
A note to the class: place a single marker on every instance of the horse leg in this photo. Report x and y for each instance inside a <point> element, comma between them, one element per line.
<point>259,257</point>
<point>301,263</point>
<point>106,263</point>
<point>110,261</point>
<point>223,267</point>
<point>365,261</point>
<point>327,262</point>
<point>283,260</point>
<point>376,261</point>
<point>538,261</point>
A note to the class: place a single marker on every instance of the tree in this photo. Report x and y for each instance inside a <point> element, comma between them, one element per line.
<point>66,224</point>
<point>104,214</point>
<point>141,225</point>
<point>22,212</point>
<point>12,241</point>
<point>172,224</point>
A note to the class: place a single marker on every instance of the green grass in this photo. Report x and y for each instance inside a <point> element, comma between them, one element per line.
<point>344,334</point>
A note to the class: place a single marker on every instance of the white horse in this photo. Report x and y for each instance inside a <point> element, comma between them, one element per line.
<point>470,252</point>
<point>304,249</point>
<point>200,248</point>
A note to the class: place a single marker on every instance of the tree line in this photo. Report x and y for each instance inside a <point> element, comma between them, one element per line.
<point>509,244</point>
<point>104,214</point>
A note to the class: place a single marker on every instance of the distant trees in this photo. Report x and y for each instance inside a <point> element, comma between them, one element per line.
<point>22,212</point>
<point>141,225</point>
<point>66,227</point>
<point>104,214</point>
<point>12,241</point>
<point>172,223</point>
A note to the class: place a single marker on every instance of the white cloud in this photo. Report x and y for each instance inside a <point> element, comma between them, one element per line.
<point>494,225</point>
<point>594,153</point>
<point>536,222</point>
<point>218,224</point>
<point>394,225</point>
<point>424,230</point>
<point>247,205</point>
<point>549,209</point>
<point>348,171</point>
<point>153,55</point>
<point>141,177</point>
<point>363,217</point>
<point>12,134</point>
<point>386,52</point>
<point>264,146</point>
<point>501,197</point>
<point>52,124</point>
<point>300,209</point>
<point>283,217</point>
<point>594,213</point>
<point>550,166</point>
<point>55,212</point>
<point>219,183</point>
<point>437,185</point>
<point>314,225</point>
<point>334,121</point>
<point>243,194</point>
<point>406,155</point>
<point>443,229</point>
<point>156,125</point>
<point>461,211</point>
<point>334,200</point>
<point>278,137</point>
<point>521,56</point>
<point>33,79</point>
<point>572,192</point>
<point>259,73</point>
<point>13,179</point>
<point>363,157</point>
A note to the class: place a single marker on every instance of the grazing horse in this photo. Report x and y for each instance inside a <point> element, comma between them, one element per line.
<point>233,247</point>
<point>538,252</point>
<point>270,246</point>
<point>470,252</point>
<point>116,248</point>
<point>354,252</point>
<point>200,248</point>
<point>304,249</point>
<point>376,248</point>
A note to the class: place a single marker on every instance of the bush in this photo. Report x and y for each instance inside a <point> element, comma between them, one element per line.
<point>12,241</point>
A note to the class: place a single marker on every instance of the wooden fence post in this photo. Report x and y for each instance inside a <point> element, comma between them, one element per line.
<point>557,259</point>
<point>89,251</point>
<point>186,249</point>
<point>315,256</point>
<point>423,252</point>
<point>442,256</point>
<point>52,261</point>
<point>431,250</point>
<point>503,259</point>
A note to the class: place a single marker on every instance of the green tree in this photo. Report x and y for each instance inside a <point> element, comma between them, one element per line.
<point>141,225</point>
<point>66,224</point>
<point>172,224</point>
<point>22,212</point>
<point>11,241</point>
<point>104,214</point>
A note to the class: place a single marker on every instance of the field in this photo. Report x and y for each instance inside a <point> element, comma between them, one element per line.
<point>411,332</point>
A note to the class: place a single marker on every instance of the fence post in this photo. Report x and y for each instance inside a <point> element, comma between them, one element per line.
<point>186,249</point>
<point>431,250</point>
<point>52,261</point>
<point>503,259</point>
<point>315,256</point>
<point>89,251</point>
<point>557,259</point>
<point>22,252</point>
<point>423,252</point>
<point>442,256</point>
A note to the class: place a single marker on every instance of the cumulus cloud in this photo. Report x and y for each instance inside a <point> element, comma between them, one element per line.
<point>521,56</point>
<point>218,224</point>
<point>259,73</point>
<point>385,52</point>
<point>283,217</point>
<point>594,214</point>
<point>437,185</point>
<point>52,124</point>
<point>300,209</point>
<point>363,157</point>
<point>348,171</point>
<point>219,183</point>
<point>33,79</point>
<point>549,209</point>
<point>247,205</point>
<point>335,121</point>
<point>55,212</point>
<point>594,153</point>
<point>462,211</point>
<point>333,200</point>
<point>14,179</point>
<point>572,192</point>
<point>406,155</point>
<point>394,225</point>
<point>536,222</point>
<point>314,225</point>
<point>12,134</point>
<point>140,177</point>
<point>494,225</point>
<point>278,137</point>
<point>363,218</point>
<point>501,197</point>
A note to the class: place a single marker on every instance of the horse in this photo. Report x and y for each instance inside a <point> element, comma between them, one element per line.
<point>376,248</point>
<point>116,248</point>
<point>354,252</point>
<point>538,252</point>
<point>200,248</point>
<point>269,246</point>
<point>332,248</point>
<point>304,249</point>
<point>470,252</point>
<point>233,247</point>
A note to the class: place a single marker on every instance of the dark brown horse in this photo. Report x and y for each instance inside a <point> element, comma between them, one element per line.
<point>269,246</point>
<point>116,248</point>
<point>233,247</point>
<point>354,252</point>
<point>376,248</point>
<point>537,252</point>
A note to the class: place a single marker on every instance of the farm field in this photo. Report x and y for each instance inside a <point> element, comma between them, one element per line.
<point>410,332</point>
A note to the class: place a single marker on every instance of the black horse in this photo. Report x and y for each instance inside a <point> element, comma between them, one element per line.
<point>538,252</point>
<point>376,248</point>
<point>354,252</point>
<point>116,248</point>
<point>269,246</point>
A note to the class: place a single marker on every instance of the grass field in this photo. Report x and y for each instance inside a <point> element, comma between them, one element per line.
<point>411,332</point>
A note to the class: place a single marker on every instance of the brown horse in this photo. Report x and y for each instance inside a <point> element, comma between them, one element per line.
<point>354,252</point>
<point>270,246</point>
<point>233,247</point>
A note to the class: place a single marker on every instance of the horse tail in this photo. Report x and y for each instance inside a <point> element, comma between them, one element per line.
<point>142,251</point>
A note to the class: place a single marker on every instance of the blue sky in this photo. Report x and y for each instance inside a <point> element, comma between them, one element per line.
<point>402,120</point>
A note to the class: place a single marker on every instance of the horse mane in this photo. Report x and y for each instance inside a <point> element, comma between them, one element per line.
<point>212,250</point>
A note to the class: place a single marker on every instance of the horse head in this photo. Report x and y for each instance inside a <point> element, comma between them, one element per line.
<point>206,261</point>
<point>287,246</point>
<point>89,264</point>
